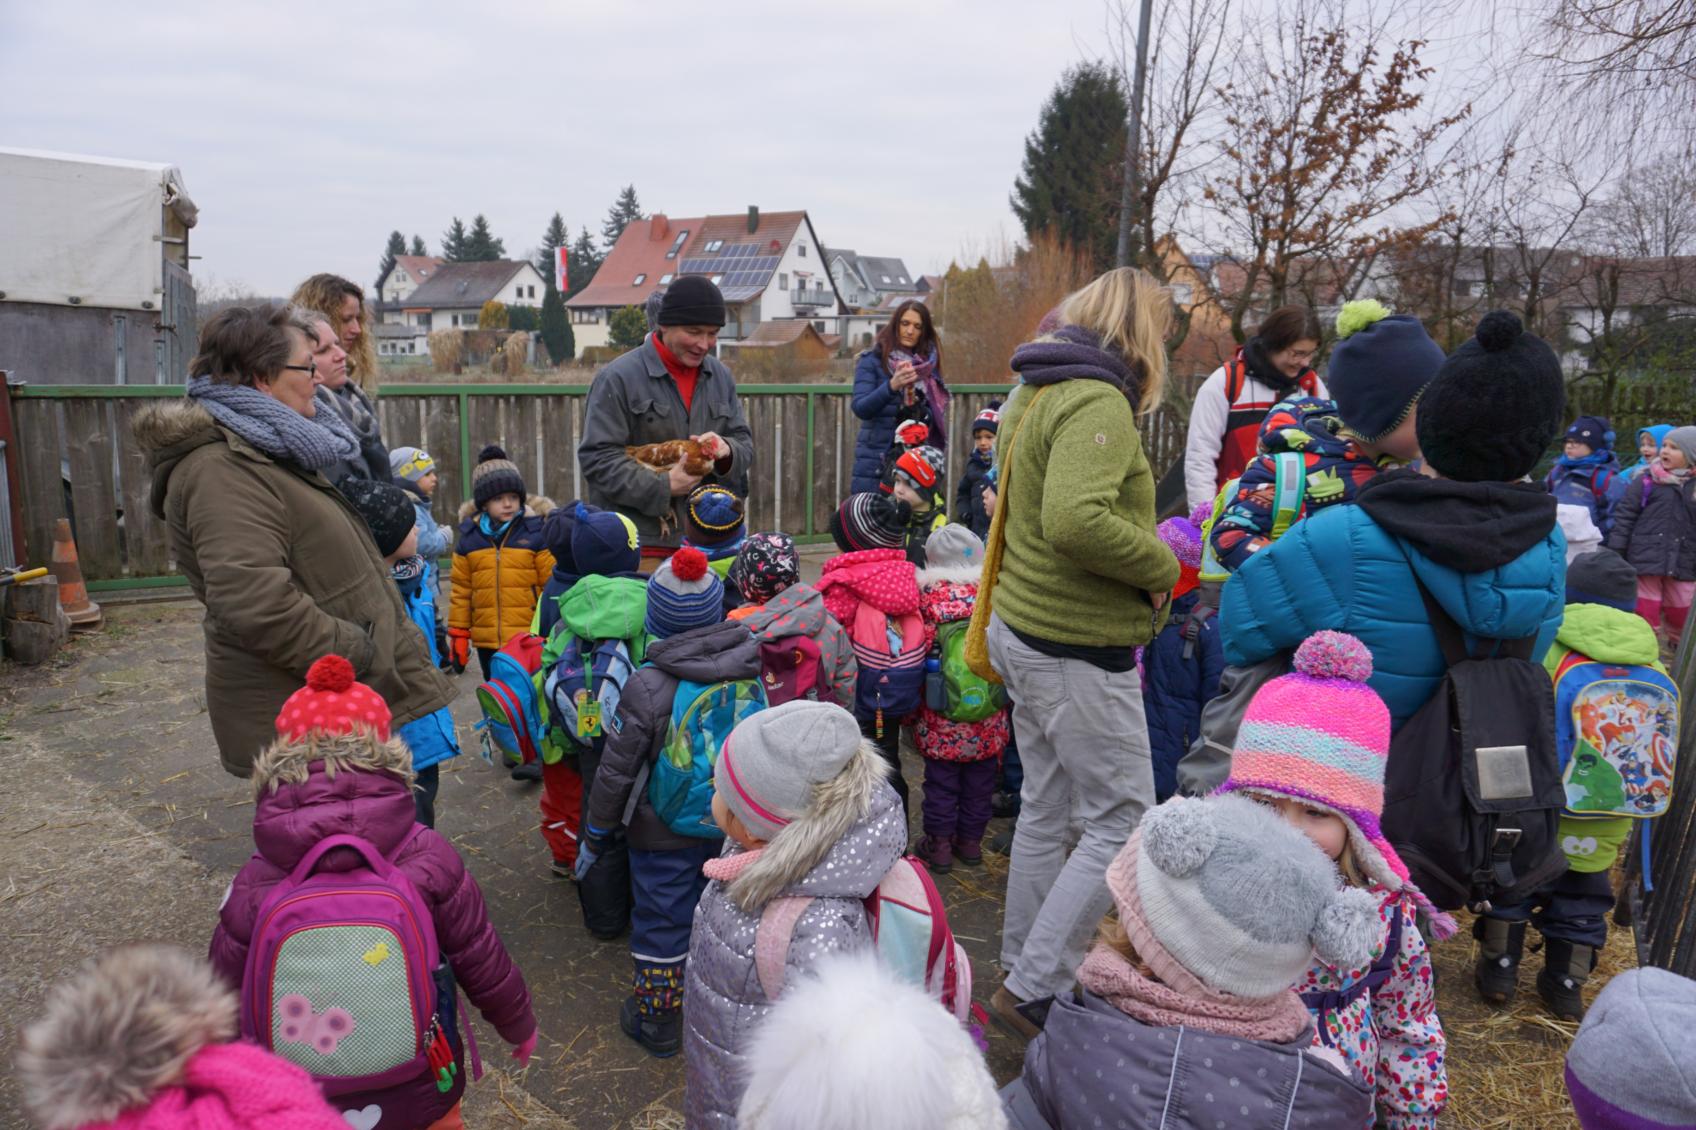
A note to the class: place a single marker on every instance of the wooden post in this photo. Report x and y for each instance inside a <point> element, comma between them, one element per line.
<point>35,626</point>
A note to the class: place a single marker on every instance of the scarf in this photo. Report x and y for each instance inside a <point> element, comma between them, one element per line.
<point>726,868</point>
<point>407,569</point>
<point>1596,460</point>
<point>273,427</point>
<point>1661,473</point>
<point>1072,353</point>
<point>487,524</point>
<point>930,379</point>
<point>1258,362</point>
<point>352,405</point>
<point>1107,974</point>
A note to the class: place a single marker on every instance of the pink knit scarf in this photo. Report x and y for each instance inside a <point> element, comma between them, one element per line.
<point>1109,976</point>
<point>726,868</point>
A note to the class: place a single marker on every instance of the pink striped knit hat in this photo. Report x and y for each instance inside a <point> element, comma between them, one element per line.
<point>1321,735</point>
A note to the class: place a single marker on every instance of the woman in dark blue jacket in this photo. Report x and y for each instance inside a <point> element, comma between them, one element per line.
<point>898,378</point>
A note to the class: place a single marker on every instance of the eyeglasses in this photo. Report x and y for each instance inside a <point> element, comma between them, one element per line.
<point>309,367</point>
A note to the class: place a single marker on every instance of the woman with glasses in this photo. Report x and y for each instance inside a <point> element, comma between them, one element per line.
<point>1274,364</point>
<point>346,375</point>
<point>286,567</point>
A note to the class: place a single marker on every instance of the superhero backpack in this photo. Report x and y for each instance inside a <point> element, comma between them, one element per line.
<point>793,668</point>
<point>680,787</point>
<point>891,653</point>
<point>512,721</point>
<point>581,690</point>
<point>967,696</point>
<point>344,977</point>
<point>1616,728</point>
<point>910,934</point>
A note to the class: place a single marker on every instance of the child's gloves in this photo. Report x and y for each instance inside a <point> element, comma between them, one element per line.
<point>459,649</point>
<point>590,847</point>
<point>524,1051</point>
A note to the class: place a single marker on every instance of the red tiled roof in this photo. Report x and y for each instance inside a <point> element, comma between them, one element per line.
<point>641,251</point>
<point>418,267</point>
<point>779,333</point>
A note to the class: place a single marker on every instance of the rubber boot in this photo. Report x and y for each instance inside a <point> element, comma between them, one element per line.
<point>1561,981</point>
<point>653,1013</point>
<point>1500,946</point>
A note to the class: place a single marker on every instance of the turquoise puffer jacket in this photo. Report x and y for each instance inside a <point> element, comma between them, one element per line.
<point>1490,553</point>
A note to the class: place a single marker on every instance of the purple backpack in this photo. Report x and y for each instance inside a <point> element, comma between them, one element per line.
<point>341,975</point>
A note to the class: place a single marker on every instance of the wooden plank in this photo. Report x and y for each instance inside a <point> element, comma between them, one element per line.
<point>791,471</point>
<point>559,447</point>
<point>42,488</point>
<point>88,424</point>
<point>485,424</point>
<point>519,429</point>
<point>147,540</point>
<point>441,432</point>
<point>827,459</point>
<point>761,505</point>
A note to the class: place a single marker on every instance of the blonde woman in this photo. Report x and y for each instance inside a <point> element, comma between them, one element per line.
<point>348,382</point>
<point>1082,581</point>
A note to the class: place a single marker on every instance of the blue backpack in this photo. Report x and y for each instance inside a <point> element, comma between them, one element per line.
<point>702,716</point>
<point>1616,728</point>
<point>582,689</point>
<point>512,721</point>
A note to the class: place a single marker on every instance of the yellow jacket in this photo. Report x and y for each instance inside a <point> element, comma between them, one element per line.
<point>496,581</point>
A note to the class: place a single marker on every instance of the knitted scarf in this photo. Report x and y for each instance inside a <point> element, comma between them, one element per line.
<point>726,868</point>
<point>273,427</point>
<point>1072,353</point>
<point>936,393</point>
<point>1663,474</point>
<point>1109,976</point>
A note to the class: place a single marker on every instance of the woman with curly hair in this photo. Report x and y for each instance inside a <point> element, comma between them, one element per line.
<point>342,326</point>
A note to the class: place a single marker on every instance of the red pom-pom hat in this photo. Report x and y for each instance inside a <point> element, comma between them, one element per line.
<point>333,702</point>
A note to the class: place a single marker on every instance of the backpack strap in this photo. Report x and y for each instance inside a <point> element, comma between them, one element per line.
<point>1289,491</point>
<point>1193,623</point>
<point>771,940</point>
<point>1451,638</point>
<point>1236,376</point>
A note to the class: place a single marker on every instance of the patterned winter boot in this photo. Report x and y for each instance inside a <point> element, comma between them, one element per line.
<point>653,1014</point>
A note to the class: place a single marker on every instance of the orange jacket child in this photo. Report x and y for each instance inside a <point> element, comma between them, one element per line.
<point>500,564</point>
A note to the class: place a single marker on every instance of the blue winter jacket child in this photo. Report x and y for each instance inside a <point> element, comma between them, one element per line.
<point>431,738</point>
<point>1180,676</point>
<point>1489,553</point>
<point>1594,482</point>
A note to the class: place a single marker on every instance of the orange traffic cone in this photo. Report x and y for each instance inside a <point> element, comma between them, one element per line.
<point>73,594</point>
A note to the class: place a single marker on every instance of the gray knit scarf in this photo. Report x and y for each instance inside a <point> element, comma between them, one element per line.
<point>273,427</point>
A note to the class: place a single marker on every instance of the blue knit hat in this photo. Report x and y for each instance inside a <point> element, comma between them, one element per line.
<point>1379,367</point>
<point>684,594</point>
<point>1593,432</point>
<point>604,542</point>
<point>713,517</point>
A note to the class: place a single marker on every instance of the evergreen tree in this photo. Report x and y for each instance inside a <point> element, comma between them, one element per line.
<point>556,327</point>
<point>627,327</point>
<point>397,246</point>
<point>481,246</point>
<point>623,210</point>
<point>553,239</point>
<point>1073,160</point>
<point>418,247</point>
<point>584,260</point>
<point>453,242</point>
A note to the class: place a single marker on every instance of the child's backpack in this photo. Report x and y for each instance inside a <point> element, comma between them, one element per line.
<point>512,721</point>
<point>341,975</point>
<point>1616,728</point>
<point>793,667</point>
<point>909,931</point>
<point>1472,787</point>
<point>891,653</point>
<point>702,716</point>
<point>967,696</point>
<point>581,689</point>
<point>1289,495</point>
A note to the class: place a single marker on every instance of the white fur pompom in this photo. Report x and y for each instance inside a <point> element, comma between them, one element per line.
<point>1347,929</point>
<point>1178,836</point>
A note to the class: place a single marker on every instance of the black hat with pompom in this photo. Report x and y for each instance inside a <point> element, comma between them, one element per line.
<point>494,476</point>
<point>1495,406</point>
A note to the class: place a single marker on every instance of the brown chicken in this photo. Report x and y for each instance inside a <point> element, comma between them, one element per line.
<point>663,457</point>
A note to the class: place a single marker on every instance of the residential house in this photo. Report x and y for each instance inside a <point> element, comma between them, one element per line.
<point>768,265</point>
<point>408,273</point>
<point>400,340</point>
<point>454,294</point>
<point>792,349</point>
<point>866,282</point>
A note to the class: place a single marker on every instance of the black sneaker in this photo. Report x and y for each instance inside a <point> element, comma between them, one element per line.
<point>660,1036</point>
<point>527,771</point>
<point>1003,804</point>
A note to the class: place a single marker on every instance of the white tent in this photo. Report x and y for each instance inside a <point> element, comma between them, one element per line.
<point>89,231</point>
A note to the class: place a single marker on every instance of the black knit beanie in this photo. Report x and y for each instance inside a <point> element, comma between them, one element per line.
<point>386,508</point>
<point>1601,576</point>
<point>692,300</point>
<point>494,476</point>
<point>870,521</point>
<point>1495,406</point>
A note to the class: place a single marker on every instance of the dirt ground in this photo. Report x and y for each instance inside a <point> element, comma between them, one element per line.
<point>116,824</point>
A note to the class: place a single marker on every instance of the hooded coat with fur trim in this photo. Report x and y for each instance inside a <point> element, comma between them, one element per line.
<point>288,573</point>
<point>370,795</point>
<point>946,596</point>
<point>497,579</point>
<point>836,854</point>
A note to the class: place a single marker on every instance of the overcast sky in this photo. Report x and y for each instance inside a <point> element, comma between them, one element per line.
<point>306,137</point>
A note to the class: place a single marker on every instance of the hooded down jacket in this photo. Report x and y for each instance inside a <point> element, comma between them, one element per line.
<point>1655,528</point>
<point>837,854</point>
<point>497,580</point>
<point>883,577</point>
<point>1490,553</point>
<point>799,611</point>
<point>299,804</point>
<point>945,597</point>
<point>1174,689</point>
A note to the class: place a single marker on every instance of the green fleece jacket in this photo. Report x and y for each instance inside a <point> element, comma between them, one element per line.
<point>1080,555</point>
<point>1607,635</point>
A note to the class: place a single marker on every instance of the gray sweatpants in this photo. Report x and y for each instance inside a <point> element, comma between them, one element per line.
<point>1083,741</point>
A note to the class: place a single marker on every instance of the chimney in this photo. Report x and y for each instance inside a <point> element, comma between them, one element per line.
<point>659,227</point>
<point>753,218</point>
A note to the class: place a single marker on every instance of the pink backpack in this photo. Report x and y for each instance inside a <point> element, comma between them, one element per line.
<point>792,668</point>
<point>341,975</point>
<point>909,931</point>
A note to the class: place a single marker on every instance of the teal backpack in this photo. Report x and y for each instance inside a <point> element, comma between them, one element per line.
<point>702,716</point>
<point>968,697</point>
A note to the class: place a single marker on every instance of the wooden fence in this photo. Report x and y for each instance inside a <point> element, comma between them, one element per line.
<point>78,458</point>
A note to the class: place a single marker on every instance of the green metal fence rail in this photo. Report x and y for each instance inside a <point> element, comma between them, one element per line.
<point>79,459</point>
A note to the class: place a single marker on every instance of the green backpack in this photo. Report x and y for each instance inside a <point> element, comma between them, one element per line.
<point>968,696</point>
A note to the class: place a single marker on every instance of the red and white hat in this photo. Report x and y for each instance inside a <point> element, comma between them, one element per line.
<point>333,702</point>
<point>919,470</point>
<point>989,420</point>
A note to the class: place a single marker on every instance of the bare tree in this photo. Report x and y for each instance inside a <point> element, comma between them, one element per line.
<point>1651,212</point>
<point>1325,149</point>
<point>1621,42</point>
